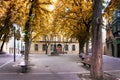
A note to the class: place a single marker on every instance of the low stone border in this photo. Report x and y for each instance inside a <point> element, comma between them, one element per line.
<point>86,76</point>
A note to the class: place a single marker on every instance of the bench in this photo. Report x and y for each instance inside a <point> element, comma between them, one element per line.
<point>82,56</point>
<point>87,60</point>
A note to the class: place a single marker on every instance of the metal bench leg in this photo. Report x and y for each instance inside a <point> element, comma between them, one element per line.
<point>84,64</point>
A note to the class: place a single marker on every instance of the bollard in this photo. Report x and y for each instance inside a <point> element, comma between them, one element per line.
<point>23,67</point>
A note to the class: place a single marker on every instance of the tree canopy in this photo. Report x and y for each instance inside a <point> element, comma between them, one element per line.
<point>67,18</point>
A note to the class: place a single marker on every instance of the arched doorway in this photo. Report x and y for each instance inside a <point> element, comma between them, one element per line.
<point>59,48</point>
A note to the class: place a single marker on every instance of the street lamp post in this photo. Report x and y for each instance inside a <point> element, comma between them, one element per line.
<point>14,44</point>
<point>14,29</point>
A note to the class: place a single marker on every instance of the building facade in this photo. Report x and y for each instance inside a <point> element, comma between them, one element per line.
<point>109,41</point>
<point>50,43</point>
<point>66,47</point>
<point>113,35</point>
<point>39,47</point>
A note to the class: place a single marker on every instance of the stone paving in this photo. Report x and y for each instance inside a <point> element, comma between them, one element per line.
<point>72,65</point>
<point>111,66</point>
<point>62,67</point>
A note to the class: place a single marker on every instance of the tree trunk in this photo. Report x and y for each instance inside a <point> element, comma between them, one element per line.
<point>27,51</point>
<point>28,32</point>
<point>87,46</point>
<point>46,49</point>
<point>4,39</point>
<point>96,67</point>
<point>1,48</point>
<point>81,47</point>
<point>46,42</point>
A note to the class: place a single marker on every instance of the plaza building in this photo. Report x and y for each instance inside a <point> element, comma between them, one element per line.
<point>48,46</point>
<point>113,35</point>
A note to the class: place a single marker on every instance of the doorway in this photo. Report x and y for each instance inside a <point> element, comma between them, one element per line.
<point>118,50</point>
<point>112,50</point>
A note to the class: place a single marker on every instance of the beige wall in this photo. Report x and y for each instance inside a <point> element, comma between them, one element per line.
<point>32,49</point>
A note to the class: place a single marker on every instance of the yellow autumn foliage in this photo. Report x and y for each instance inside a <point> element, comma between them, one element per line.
<point>69,16</point>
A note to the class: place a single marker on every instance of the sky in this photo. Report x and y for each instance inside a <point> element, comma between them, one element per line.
<point>106,2</point>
